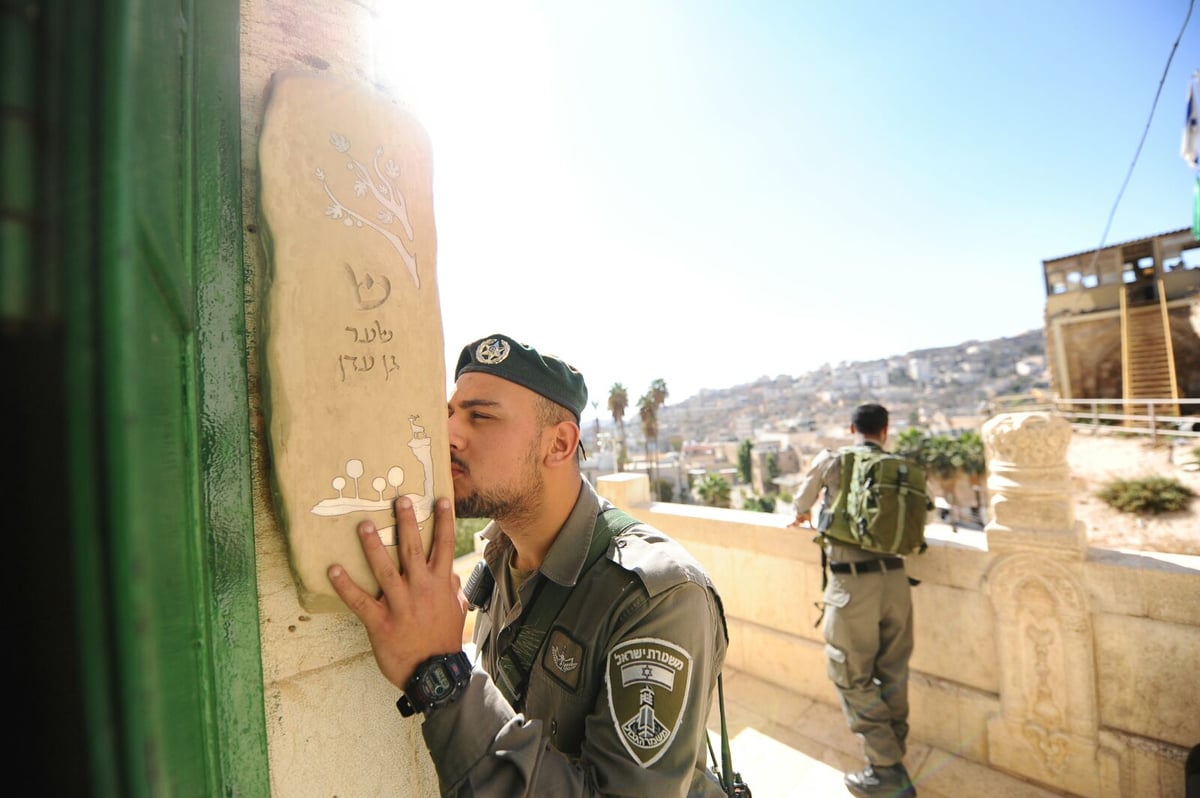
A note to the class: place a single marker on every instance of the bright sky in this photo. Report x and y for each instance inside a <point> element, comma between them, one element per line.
<point>712,192</point>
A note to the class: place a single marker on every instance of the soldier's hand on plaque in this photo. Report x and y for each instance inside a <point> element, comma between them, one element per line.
<point>420,610</point>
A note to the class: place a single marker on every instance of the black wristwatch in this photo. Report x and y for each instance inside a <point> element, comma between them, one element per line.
<point>436,682</point>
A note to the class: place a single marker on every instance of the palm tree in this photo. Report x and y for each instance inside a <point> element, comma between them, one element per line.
<point>911,443</point>
<point>659,392</point>
<point>658,397</point>
<point>618,400</point>
<point>943,458</point>
<point>714,490</point>
<point>974,464</point>
<point>648,412</point>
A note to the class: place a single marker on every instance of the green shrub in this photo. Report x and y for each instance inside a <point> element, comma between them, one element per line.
<point>758,504</point>
<point>464,534</point>
<point>664,491</point>
<point>1146,495</point>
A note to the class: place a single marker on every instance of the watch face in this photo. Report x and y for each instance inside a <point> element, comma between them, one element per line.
<point>436,682</point>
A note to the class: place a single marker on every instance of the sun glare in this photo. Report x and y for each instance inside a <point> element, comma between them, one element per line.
<point>483,80</point>
<point>462,66</point>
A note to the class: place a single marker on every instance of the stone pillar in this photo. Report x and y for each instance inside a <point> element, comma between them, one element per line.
<point>624,489</point>
<point>1048,726</point>
<point>1030,486</point>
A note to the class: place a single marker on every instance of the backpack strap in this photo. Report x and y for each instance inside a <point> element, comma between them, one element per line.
<point>835,504</point>
<point>902,497</point>
<point>515,664</point>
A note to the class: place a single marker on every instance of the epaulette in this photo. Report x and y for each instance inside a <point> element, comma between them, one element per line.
<point>657,560</point>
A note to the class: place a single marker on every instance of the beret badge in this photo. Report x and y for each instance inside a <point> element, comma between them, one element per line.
<point>492,351</point>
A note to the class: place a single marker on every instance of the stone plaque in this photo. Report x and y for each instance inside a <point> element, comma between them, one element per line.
<point>354,375</point>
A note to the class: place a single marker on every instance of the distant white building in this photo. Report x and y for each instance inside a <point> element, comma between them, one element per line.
<point>845,378</point>
<point>873,377</point>
<point>743,427</point>
<point>1031,366</point>
<point>920,369</point>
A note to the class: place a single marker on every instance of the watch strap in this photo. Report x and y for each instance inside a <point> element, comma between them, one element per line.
<point>405,706</point>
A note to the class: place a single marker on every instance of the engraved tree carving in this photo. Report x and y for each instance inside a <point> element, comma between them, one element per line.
<point>381,181</point>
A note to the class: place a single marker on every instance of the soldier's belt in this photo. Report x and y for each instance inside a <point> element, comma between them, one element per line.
<point>868,566</point>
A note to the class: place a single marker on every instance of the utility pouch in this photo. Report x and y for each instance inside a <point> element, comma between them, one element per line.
<point>479,586</point>
<point>824,519</point>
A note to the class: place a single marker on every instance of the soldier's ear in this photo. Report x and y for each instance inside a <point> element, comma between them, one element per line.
<point>563,443</point>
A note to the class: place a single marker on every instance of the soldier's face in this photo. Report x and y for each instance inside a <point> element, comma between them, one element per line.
<point>495,447</point>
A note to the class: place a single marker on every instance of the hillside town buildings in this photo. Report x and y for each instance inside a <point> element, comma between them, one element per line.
<point>788,419</point>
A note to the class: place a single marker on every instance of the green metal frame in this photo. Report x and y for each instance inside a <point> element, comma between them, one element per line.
<point>132,289</point>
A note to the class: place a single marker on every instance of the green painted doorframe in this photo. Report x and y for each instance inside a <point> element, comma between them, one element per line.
<point>125,355</point>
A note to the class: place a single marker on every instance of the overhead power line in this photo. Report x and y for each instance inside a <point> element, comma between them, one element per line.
<point>1138,151</point>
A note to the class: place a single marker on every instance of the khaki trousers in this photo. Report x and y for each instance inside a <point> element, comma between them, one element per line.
<point>868,629</point>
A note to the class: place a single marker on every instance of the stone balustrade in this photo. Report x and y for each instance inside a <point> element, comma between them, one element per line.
<point>1073,667</point>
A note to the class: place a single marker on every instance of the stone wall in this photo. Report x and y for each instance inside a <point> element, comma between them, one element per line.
<point>1068,666</point>
<point>332,724</point>
<point>1185,342</point>
<point>1086,352</point>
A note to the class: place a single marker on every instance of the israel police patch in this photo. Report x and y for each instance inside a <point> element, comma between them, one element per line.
<point>648,681</point>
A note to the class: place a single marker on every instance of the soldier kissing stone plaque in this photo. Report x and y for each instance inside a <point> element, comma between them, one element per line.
<point>354,374</point>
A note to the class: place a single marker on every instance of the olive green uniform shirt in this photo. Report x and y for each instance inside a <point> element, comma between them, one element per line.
<point>619,696</point>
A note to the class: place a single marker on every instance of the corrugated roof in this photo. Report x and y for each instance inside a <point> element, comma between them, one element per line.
<point>1122,244</point>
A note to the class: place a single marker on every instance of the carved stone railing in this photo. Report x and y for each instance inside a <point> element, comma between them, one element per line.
<point>1048,725</point>
<point>1072,667</point>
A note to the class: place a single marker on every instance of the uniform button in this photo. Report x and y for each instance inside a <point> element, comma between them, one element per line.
<point>621,544</point>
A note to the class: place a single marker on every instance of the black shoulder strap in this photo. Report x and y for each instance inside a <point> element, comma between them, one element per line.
<point>515,664</point>
<point>730,780</point>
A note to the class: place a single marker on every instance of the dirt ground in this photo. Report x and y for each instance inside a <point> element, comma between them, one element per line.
<point>1097,459</point>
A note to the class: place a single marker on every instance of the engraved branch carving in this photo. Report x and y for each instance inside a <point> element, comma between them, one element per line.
<point>381,181</point>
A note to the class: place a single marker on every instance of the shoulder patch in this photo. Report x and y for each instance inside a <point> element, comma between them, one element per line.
<point>648,681</point>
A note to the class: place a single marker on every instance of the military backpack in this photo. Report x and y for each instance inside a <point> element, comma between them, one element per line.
<point>881,504</point>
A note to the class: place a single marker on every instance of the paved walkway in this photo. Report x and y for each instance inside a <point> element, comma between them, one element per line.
<point>786,745</point>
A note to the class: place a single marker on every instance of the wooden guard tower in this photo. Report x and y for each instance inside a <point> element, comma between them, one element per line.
<point>1119,321</point>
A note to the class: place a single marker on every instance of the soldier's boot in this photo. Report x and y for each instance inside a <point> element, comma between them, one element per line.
<point>881,781</point>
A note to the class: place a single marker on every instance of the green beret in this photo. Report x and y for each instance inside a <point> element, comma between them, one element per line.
<point>547,375</point>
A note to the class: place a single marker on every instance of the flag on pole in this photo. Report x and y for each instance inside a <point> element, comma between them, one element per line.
<point>1189,148</point>
<point>1196,210</point>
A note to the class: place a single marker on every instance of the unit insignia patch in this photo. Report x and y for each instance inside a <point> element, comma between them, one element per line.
<point>562,658</point>
<point>648,681</point>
